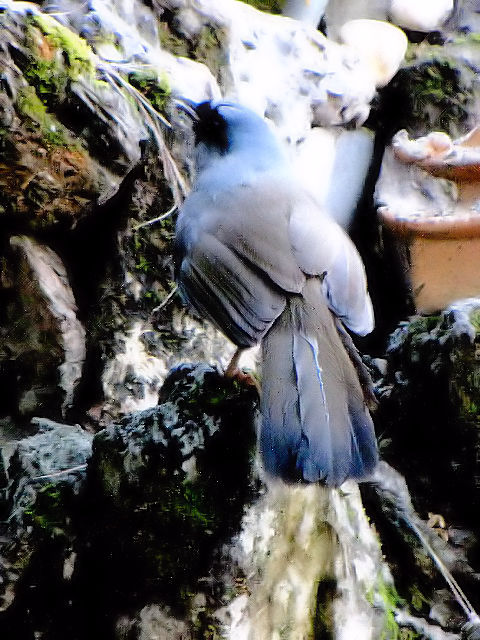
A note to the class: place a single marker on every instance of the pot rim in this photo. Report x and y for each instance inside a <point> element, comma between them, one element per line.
<point>441,227</point>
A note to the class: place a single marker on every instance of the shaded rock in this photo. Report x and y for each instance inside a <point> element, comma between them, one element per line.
<point>56,454</point>
<point>168,488</point>
<point>154,622</point>
<point>46,474</point>
<point>429,409</point>
<point>435,90</point>
<point>43,347</point>
<point>418,557</point>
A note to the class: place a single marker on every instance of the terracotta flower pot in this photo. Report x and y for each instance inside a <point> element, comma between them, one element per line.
<point>443,247</point>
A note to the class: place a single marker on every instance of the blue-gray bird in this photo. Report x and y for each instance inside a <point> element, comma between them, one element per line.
<point>257,256</point>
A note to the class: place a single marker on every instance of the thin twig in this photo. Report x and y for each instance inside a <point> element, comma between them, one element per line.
<point>79,467</point>
<point>166,300</point>
<point>153,120</point>
<point>154,220</point>
<point>459,595</point>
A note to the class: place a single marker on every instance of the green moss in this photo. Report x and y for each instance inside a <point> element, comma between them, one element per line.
<point>47,512</point>
<point>475,320</point>
<point>390,603</point>
<point>56,57</point>
<point>171,42</point>
<point>143,264</point>
<point>30,105</point>
<point>417,599</point>
<point>79,55</point>
<point>271,6</point>
<point>208,49</point>
<point>154,86</point>
<point>468,38</point>
<point>437,92</point>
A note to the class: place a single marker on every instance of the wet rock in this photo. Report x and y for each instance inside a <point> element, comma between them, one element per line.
<point>435,90</point>
<point>165,489</point>
<point>46,474</point>
<point>43,347</point>
<point>168,487</point>
<point>429,409</point>
<point>421,560</point>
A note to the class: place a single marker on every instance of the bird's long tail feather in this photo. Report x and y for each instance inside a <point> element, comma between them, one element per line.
<point>315,422</point>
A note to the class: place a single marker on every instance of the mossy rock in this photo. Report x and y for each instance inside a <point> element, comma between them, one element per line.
<point>169,484</point>
<point>434,91</point>
<point>429,408</point>
<point>270,6</point>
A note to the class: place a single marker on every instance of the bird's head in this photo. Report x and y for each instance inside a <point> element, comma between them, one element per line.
<point>226,127</point>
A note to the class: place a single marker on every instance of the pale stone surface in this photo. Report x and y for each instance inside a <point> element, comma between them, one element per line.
<point>427,15</point>
<point>307,11</point>
<point>332,164</point>
<point>338,12</point>
<point>379,43</point>
<point>352,159</point>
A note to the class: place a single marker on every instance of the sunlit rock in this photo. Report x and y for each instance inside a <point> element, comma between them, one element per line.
<point>380,44</point>
<point>239,45</point>
<point>305,10</point>
<point>333,164</point>
<point>425,16</point>
<point>338,12</point>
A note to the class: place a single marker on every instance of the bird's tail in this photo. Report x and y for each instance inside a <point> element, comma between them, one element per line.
<point>315,422</point>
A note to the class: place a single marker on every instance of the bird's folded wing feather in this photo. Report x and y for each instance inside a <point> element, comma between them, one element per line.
<point>235,262</point>
<point>321,247</point>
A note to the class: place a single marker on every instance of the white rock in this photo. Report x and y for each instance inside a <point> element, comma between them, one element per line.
<point>332,163</point>
<point>314,159</point>
<point>274,64</point>
<point>380,44</point>
<point>340,11</point>
<point>353,156</point>
<point>421,15</point>
<point>307,11</point>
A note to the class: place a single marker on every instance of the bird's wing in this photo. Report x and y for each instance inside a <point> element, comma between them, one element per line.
<point>235,263</point>
<point>321,247</point>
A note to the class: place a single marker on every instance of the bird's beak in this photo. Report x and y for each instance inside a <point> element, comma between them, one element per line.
<point>187,106</point>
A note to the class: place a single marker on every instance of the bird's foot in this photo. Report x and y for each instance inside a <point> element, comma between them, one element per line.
<point>243,377</point>
<point>234,372</point>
